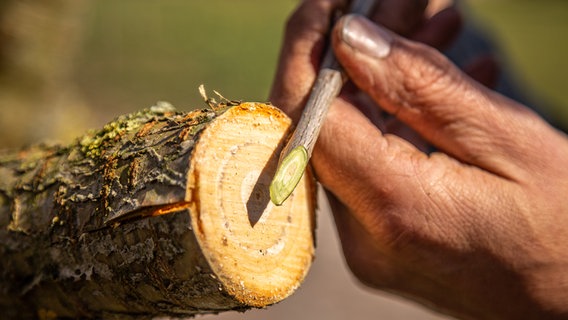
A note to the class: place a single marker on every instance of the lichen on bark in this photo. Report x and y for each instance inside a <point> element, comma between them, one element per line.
<point>55,204</point>
<point>92,142</point>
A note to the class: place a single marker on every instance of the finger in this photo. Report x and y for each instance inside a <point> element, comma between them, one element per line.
<point>304,41</point>
<point>382,120</point>
<point>391,187</point>
<point>484,69</point>
<point>401,16</point>
<point>440,30</point>
<point>353,236</point>
<point>396,127</point>
<point>352,159</point>
<point>423,89</point>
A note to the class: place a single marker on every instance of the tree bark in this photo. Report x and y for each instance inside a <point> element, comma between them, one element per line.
<point>158,213</point>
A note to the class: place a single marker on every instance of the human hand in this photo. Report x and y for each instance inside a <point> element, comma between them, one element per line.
<point>477,229</point>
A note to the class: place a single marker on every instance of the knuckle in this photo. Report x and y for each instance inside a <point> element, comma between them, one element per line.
<point>424,76</point>
<point>427,78</point>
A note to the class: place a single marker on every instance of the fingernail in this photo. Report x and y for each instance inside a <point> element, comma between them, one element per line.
<point>365,36</point>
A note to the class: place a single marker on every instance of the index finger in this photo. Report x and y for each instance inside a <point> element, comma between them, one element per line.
<point>304,42</point>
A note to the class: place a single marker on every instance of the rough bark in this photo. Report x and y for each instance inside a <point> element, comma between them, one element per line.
<point>158,213</point>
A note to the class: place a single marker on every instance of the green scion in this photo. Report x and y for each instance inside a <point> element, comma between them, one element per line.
<point>288,175</point>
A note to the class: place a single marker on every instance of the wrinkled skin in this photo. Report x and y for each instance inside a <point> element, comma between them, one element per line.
<point>477,229</point>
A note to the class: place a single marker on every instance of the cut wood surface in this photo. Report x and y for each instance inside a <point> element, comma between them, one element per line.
<point>158,213</point>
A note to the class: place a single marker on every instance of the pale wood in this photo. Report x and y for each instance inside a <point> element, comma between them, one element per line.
<point>259,251</point>
<point>159,213</point>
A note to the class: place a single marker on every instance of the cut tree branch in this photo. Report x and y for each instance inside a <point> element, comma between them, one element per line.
<point>158,213</point>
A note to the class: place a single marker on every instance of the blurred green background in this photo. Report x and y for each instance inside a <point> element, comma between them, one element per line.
<point>140,51</point>
<point>534,38</point>
<point>132,53</point>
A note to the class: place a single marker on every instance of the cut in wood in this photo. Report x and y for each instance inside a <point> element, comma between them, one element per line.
<point>159,213</point>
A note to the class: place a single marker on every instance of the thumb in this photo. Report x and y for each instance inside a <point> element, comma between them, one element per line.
<point>425,90</point>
